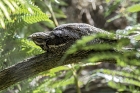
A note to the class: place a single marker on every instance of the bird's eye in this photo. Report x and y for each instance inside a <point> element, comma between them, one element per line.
<point>39,40</point>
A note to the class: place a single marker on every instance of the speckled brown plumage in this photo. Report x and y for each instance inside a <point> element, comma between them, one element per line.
<point>64,36</point>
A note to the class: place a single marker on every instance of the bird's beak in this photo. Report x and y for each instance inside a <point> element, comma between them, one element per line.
<point>29,37</point>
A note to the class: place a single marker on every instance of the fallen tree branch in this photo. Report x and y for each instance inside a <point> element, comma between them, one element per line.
<point>33,66</point>
<point>42,62</point>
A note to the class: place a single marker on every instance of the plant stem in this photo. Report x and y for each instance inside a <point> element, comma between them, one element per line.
<point>76,80</point>
<point>52,13</point>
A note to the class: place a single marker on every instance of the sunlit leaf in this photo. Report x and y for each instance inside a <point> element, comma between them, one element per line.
<point>134,8</point>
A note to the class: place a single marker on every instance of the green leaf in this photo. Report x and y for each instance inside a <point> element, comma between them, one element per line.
<point>107,1</point>
<point>57,69</point>
<point>134,8</point>
<point>34,17</point>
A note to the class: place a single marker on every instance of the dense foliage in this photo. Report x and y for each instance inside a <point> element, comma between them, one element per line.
<point>20,18</point>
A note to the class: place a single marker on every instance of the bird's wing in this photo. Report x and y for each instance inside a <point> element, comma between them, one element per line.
<point>76,30</point>
<point>72,31</point>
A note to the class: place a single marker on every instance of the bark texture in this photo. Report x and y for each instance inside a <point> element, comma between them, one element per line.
<point>33,66</point>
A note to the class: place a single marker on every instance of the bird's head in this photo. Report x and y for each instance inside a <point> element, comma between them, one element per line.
<point>40,39</point>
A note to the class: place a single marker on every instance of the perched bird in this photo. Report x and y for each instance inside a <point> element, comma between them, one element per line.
<point>64,35</point>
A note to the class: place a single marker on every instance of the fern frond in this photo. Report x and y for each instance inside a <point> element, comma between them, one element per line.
<point>20,13</point>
